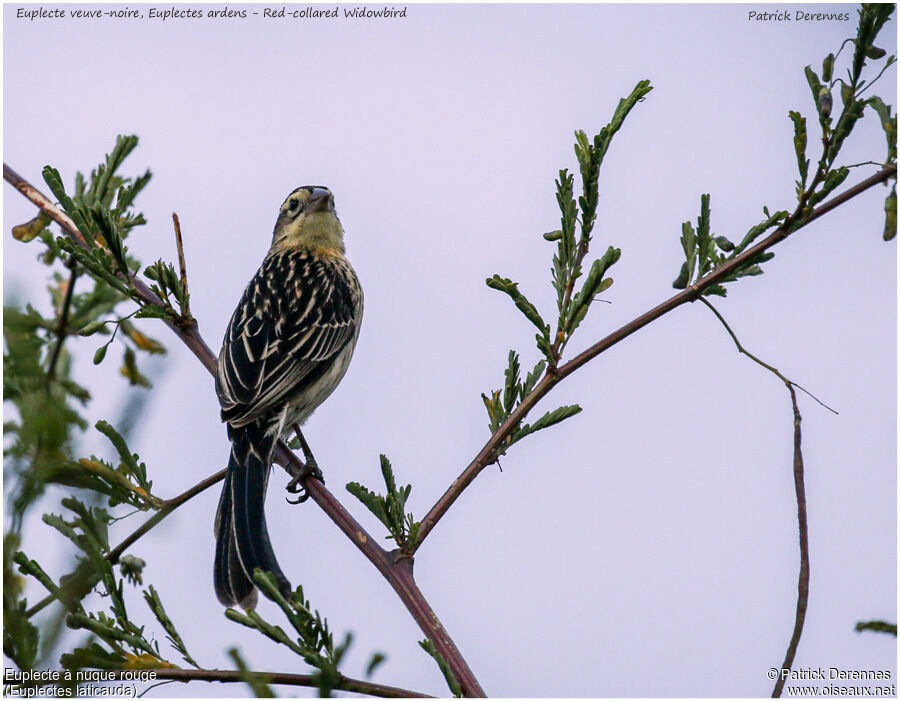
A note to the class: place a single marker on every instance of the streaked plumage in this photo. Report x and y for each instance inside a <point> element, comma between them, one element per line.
<point>287,346</point>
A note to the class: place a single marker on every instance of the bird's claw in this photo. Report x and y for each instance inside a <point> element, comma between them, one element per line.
<point>310,469</point>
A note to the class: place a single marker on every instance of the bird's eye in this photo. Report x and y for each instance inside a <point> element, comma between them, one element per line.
<point>294,204</point>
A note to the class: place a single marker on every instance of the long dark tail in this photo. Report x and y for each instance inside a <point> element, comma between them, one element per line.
<point>242,539</point>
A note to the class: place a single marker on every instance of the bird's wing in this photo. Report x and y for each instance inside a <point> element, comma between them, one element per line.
<point>296,314</point>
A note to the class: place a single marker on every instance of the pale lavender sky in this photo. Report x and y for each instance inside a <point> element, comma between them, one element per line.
<point>645,547</point>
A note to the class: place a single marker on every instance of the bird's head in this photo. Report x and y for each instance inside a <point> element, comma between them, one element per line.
<point>307,220</point>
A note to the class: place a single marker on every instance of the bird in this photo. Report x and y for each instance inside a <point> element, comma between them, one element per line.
<point>286,348</point>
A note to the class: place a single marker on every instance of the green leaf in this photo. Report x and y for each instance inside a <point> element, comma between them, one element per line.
<point>390,508</point>
<point>547,420</point>
<point>54,182</point>
<point>374,662</point>
<point>890,215</point>
<point>152,311</point>
<point>532,377</point>
<point>94,327</point>
<point>758,230</point>
<point>527,308</point>
<point>828,68</point>
<point>888,123</point>
<point>156,606</point>
<point>852,112</point>
<point>594,284</point>
<point>814,85</point>
<point>449,677</point>
<point>130,370</point>
<point>258,683</point>
<point>878,627</point>
<point>100,354</point>
<point>513,385</point>
<point>800,145</point>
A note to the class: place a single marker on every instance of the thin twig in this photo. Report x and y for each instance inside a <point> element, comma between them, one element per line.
<point>235,676</point>
<point>385,562</point>
<point>186,306</point>
<point>61,328</point>
<point>757,360</point>
<point>872,82</point>
<point>550,380</point>
<point>800,489</point>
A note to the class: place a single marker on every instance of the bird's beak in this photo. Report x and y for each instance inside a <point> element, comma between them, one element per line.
<point>320,200</point>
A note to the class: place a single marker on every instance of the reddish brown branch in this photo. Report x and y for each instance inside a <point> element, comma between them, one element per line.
<point>228,676</point>
<point>488,453</point>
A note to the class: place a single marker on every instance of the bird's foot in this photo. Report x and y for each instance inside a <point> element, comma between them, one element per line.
<point>295,486</point>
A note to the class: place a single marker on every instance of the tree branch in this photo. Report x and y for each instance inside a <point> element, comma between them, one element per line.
<point>229,676</point>
<point>486,454</point>
<point>395,573</point>
<point>61,330</point>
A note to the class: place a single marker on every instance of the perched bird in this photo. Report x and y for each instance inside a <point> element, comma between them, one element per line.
<point>287,346</point>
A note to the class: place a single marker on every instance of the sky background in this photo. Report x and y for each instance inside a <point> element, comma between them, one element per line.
<point>647,546</point>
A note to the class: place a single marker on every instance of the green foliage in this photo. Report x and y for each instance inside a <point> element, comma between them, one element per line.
<point>390,509</point>
<point>878,627</point>
<point>571,251</point>
<point>453,685</point>
<point>313,642</point>
<point>501,403</point>
<point>126,483</point>
<point>572,304</point>
<point>156,606</point>
<point>835,130</point>
<point>704,252</point>
<point>167,286</point>
<point>20,635</point>
<point>377,659</point>
<point>890,215</point>
<point>43,419</point>
<point>37,382</point>
<point>258,683</point>
<point>105,227</point>
<point>128,646</point>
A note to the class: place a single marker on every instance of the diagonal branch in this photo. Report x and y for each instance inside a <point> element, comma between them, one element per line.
<point>399,576</point>
<point>489,451</point>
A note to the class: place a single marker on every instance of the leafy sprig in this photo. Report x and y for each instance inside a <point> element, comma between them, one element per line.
<point>704,252</point>
<point>312,640</point>
<point>390,508</point>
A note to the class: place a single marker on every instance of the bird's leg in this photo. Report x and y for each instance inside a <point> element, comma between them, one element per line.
<point>310,469</point>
